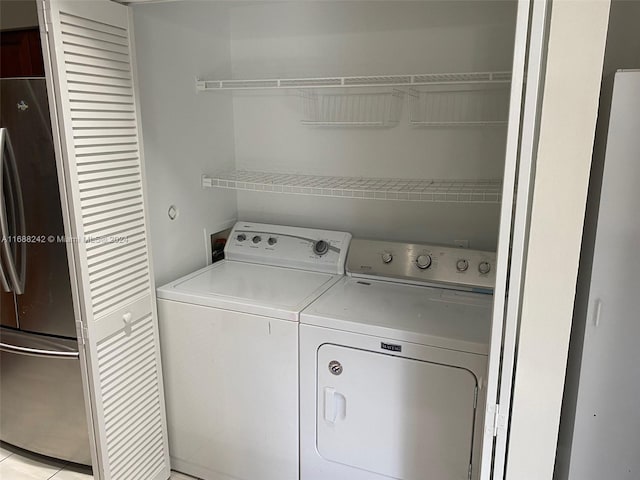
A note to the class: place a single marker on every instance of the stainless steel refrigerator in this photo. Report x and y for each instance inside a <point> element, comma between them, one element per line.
<point>41,399</point>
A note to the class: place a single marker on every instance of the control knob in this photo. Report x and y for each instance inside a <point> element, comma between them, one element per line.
<point>423,261</point>
<point>272,240</point>
<point>484,268</point>
<point>387,257</point>
<point>257,239</point>
<point>241,238</point>
<point>462,265</point>
<point>320,247</point>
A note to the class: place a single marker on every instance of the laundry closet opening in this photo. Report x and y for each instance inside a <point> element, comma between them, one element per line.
<point>387,120</point>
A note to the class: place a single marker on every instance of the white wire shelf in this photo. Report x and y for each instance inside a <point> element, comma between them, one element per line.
<point>374,109</point>
<point>443,191</point>
<point>362,81</point>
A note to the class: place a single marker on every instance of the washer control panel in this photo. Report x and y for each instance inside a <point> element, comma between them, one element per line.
<point>285,246</point>
<point>423,264</point>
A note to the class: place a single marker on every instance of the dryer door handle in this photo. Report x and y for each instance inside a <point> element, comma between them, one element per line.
<point>335,405</point>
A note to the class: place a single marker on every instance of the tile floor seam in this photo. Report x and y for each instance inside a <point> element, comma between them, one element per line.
<point>54,474</point>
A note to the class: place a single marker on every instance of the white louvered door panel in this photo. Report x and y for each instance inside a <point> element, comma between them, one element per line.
<point>93,76</point>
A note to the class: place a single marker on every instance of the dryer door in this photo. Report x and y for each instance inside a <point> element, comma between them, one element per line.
<point>394,416</point>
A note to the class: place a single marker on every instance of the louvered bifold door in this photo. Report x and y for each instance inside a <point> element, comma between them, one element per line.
<point>93,75</point>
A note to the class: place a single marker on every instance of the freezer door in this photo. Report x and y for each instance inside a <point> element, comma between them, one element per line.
<point>41,400</point>
<point>395,417</point>
<point>45,306</point>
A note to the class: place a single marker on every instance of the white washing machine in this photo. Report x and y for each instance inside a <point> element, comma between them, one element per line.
<point>393,365</point>
<point>229,342</point>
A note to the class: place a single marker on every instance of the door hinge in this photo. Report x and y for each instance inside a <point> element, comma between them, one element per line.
<point>84,334</point>
<point>499,420</point>
<point>46,15</point>
<point>470,470</point>
<point>475,398</point>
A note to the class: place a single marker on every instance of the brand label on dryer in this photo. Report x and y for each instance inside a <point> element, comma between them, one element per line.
<point>391,347</point>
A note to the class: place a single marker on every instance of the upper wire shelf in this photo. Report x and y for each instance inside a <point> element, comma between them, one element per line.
<point>429,190</point>
<point>361,81</point>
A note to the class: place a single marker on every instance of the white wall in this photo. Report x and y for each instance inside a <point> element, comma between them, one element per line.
<point>368,38</point>
<point>569,106</point>
<point>622,52</point>
<point>185,134</point>
<point>188,134</point>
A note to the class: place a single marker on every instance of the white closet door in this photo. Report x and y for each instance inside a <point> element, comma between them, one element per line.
<point>528,59</point>
<point>91,47</point>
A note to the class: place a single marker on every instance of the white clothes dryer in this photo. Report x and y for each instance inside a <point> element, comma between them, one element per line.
<point>393,365</point>
<point>229,343</point>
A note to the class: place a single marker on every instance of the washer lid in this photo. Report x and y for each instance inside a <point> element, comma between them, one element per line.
<point>250,288</point>
<point>424,315</point>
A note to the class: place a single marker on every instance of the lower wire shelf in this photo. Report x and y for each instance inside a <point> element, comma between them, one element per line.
<point>424,190</point>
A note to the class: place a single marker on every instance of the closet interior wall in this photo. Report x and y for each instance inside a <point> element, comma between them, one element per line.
<point>188,134</point>
<point>185,134</point>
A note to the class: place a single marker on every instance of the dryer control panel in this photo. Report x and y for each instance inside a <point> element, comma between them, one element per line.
<point>423,264</point>
<point>285,246</point>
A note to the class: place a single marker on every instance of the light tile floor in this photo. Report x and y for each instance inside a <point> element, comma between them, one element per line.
<point>16,464</point>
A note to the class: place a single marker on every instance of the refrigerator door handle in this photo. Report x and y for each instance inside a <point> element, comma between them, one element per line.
<point>3,280</point>
<point>3,277</point>
<point>10,167</point>
<point>36,352</point>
